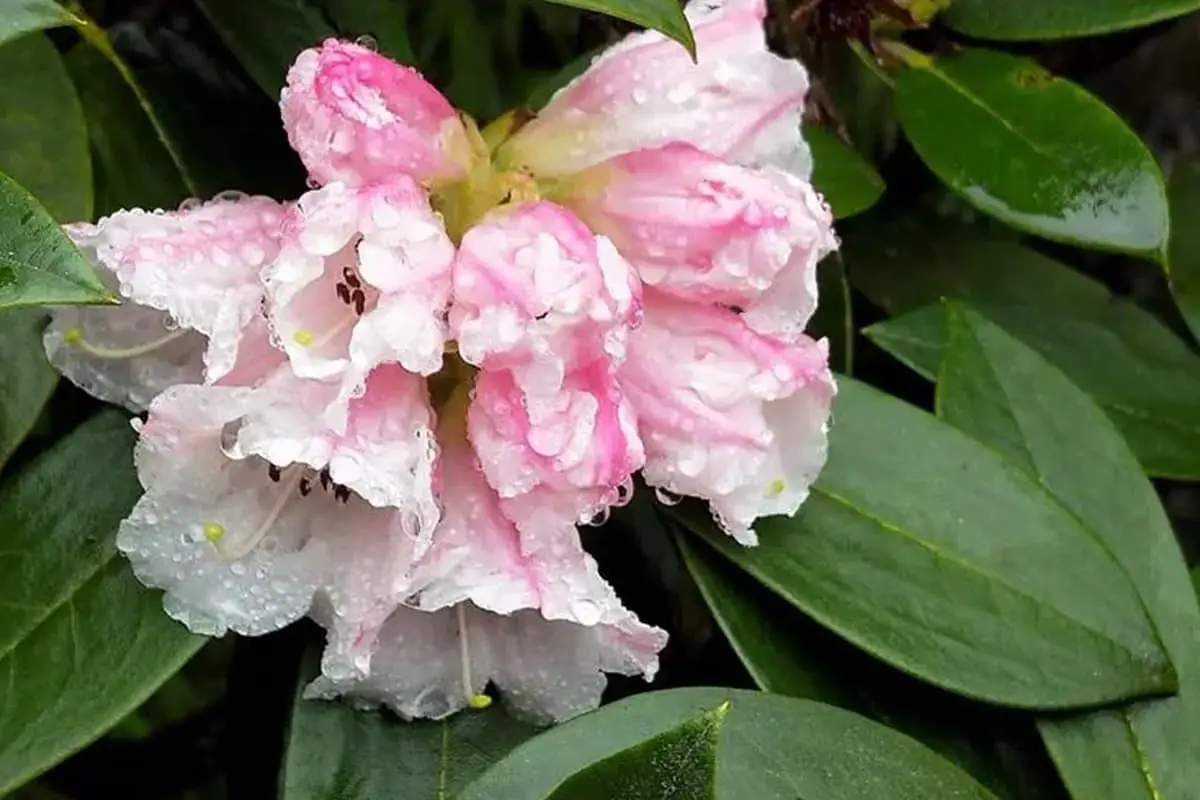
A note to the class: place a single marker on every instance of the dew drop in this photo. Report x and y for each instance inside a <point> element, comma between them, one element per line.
<point>369,42</point>
<point>667,498</point>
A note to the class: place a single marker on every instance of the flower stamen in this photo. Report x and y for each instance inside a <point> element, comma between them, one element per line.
<point>242,549</point>
<point>477,700</point>
<point>74,337</point>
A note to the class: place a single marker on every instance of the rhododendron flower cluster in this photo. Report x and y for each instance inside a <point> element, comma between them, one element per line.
<point>389,404</point>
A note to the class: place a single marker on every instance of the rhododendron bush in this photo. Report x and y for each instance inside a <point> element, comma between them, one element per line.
<point>606,399</point>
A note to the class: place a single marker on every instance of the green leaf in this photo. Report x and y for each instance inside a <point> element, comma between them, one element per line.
<point>43,137</point>
<point>834,317</point>
<point>847,181</point>
<point>267,35</point>
<point>677,764</point>
<point>1035,151</point>
<point>786,653</point>
<point>1183,268</point>
<point>81,641</point>
<point>1137,370</point>
<point>19,17</point>
<point>1003,393</point>
<point>39,265</point>
<point>386,23</point>
<point>134,169</point>
<point>665,16</point>
<point>1031,20</point>
<point>337,753</point>
<point>546,88</point>
<point>771,748</point>
<point>896,551</point>
<point>26,380</point>
<point>775,658</point>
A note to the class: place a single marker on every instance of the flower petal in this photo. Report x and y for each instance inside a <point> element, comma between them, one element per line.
<point>705,230</point>
<point>356,116</point>
<point>200,264</point>
<point>738,101</point>
<point>526,610</point>
<point>124,354</point>
<point>383,450</point>
<point>535,290</point>
<point>363,278</point>
<point>567,453</point>
<point>546,670</point>
<point>200,503</point>
<point>726,413</point>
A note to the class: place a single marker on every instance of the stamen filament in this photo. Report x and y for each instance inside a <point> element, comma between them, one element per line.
<point>74,337</point>
<point>285,494</point>
<point>476,700</point>
<point>465,646</point>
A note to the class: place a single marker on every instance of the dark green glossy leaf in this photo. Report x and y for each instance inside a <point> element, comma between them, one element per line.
<point>677,764</point>
<point>1021,20</point>
<point>774,657</point>
<point>19,17</point>
<point>133,167</point>
<point>786,653</point>
<point>771,748</point>
<point>1183,268</point>
<point>43,138</point>
<point>267,35</point>
<point>1003,393</point>
<point>337,753</point>
<point>385,22</point>
<point>26,380</point>
<point>1035,151</point>
<point>547,87</point>
<point>844,178</point>
<point>82,643</point>
<point>665,16</point>
<point>834,317</point>
<point>896,551</point>
<point>1139,372</point>
<point>38,263</point>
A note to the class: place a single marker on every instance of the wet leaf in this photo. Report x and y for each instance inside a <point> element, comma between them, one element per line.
<point>771,748</point>
<point>39,265</point>
<point>26,380</point>
<point>133,167</point>
<point>677,764</point>
<point>82,643</point>
<point>901,560</point>
<point>1021,20</point>
<point>786,653</point>
<point>1184,266</point>
<point>845,179</point>
<point>834,317</point>
<point>1006,395</point>
<point>43,136</point>
<point>1138,371</point>
<point>1035,151</point>
<point>19,17</point>
<point>665,16</point>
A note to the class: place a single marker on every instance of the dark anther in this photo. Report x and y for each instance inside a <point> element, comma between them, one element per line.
<point>326,481</point>
<point>341,493</point>
<point>343,293</point>
<point>360,301</point>
<point>351,278</point>
<point>273,472</point>
<point>305,487</point>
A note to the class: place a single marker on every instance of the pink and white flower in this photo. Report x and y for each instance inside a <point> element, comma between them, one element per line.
<point>358,415</point>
